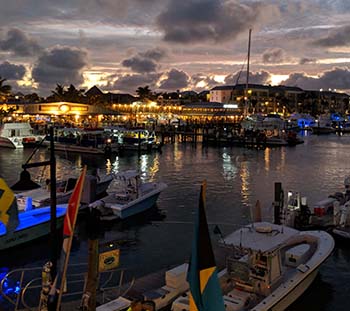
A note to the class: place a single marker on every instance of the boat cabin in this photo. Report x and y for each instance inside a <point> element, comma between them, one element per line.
<point>260,256</point>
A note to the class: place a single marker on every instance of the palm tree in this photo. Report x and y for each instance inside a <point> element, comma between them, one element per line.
<point>5,90</point>
<point>71,94</point>
<point>144,92</point>
<point>57,94</point>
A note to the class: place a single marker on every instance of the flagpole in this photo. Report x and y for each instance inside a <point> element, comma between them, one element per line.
<point>66,261</point>
<point>53,203</point>
<point>68,242</point>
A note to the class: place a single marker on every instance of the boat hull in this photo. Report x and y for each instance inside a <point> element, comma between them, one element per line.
<point>137,207</point>
<point>32,225</point>
<point>7,143</point>
<point>293,295</point>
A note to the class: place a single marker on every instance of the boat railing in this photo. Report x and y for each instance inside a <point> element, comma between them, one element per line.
<point>23,287</point>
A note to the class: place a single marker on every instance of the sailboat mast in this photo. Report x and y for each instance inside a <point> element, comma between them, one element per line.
<point>247,81</point>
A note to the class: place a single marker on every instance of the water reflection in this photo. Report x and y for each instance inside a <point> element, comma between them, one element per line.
<point>229,169</point>
<point>244,176</point>
<point>267,158</point>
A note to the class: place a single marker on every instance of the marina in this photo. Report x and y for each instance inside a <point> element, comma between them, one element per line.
<point>238,177</point>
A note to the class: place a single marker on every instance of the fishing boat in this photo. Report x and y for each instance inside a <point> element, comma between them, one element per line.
<point>331,213</point>
<point>129,196</point>
<point>91,141</point>
<point>138,139</point>
<point>41,197</point>
<point>268,266</point>
<point>32,224</point>
<point>18,135</point>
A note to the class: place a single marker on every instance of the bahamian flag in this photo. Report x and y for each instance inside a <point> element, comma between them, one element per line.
<point>205,291</point>
<point>8,207</point>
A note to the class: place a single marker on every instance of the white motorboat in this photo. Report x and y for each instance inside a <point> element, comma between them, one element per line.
<point>41,197</point>
<point>269,266</point>
<point>129,197</point>
<point>18,135</point>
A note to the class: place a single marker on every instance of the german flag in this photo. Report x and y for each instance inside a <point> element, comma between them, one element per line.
<point>205,291</point>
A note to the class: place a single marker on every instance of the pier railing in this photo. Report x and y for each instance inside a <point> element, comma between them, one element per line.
<point>23,287</point>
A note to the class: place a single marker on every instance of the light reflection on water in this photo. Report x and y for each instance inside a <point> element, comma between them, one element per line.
<point>236,179</point>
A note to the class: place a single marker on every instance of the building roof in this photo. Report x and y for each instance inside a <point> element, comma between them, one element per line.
<point>204,105</point>
<point>94,91</point>
<point>120,98</point>
<point>223,88</point>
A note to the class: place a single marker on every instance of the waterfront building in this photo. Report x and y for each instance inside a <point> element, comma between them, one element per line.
<point>281,99</point>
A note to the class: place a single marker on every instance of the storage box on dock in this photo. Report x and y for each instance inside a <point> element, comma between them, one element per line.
<point>176,277</point>
<point>324,207</point>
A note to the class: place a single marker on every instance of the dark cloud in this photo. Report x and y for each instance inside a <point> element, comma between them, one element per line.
<point>260,77</point>
<point>176,80</point>
<point>337,78</point>
<point>139,64</point>
<point>338,37</point>
<point>17,42</point>
<point>306,60</point>
<point>275,55</point>
<point>63,65</point>
<point>146,61</point>
<point>11,71</point>
<point>129,83</point>
<point>198,21</point>
<point>156,54</point>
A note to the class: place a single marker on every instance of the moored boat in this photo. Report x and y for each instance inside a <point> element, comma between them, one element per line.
<point>129,197</point>
<point>18,135</point>
<point>41,197</point>
<point>268,266</point>
<point>92,141</point>
<point>32,224</point>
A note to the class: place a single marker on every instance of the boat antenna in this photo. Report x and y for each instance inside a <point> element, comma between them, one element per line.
<point>247,81</point>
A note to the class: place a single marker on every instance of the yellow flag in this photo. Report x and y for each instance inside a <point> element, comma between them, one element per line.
<point>8,207</point>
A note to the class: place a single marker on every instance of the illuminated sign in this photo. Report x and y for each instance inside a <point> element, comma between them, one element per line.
<point>234,106</point>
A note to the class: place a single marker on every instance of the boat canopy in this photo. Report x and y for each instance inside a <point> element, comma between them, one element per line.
<point>261,236</point>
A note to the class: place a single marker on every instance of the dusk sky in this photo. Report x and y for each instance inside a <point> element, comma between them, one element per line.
<point>172,45</point>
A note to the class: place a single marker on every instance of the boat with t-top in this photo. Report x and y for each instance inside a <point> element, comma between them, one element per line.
<point>268,266</point>
<point>129,196</point>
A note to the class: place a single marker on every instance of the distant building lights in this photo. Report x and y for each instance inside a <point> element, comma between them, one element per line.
<point>233,106</point>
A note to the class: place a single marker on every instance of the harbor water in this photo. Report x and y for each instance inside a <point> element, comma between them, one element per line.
<point>236,178</point>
